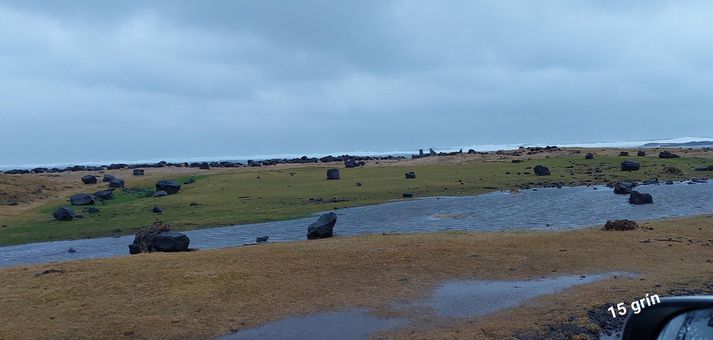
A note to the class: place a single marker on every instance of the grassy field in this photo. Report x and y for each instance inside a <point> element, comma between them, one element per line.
<point>202,294</point>
<point>264,194</point>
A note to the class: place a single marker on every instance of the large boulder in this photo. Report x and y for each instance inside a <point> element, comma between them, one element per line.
<point>630,165</point>
<point>541,170</point>
<point>639,198</point>
<point>323,227</point>
<point>668,154</point>
<point>624,187</point>
<point>81,199</point>
<point>104,195</point>
<point>63,214</point>
<point>169,186</point>
<point>158,238</point>
<point>116,183</point>
<point>620,225</point>
<point>333,174</point>
<point>89,179</point>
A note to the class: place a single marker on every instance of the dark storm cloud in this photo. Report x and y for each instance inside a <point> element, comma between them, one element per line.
<point>90,80</point>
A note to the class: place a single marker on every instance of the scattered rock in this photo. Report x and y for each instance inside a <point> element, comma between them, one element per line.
<point>49,271</point>
<point>358,184</point>
<point>104,195</point>
<point>623,154</point>
<point>169,186</point>
<point>350,163</point>
<point>541,170</point>
<point>63,214</point>
<point>668,154</point>
<point>108,178</point>
<point>91,210</point>
<point>116,183</point>
<point>640,198</point>
<point>407,195</point>
<point>410,175</point>
<point>89,179</point>
<point>156,210</point>
<point>81,199</point>
<point>589,156</point>
<point>333,174</point>
<point>189,181</point>
<point>323,227</point>
<point>261,239</point>
<point>159,193</point>
<point>641,153</point>
<point>651,181</point>
<point>672,170</point>
<point>620,225</point>
<point>630,165</point>
<point>138,172</point>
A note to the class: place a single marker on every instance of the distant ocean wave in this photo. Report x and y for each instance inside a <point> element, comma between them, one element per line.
<point>477,147</point>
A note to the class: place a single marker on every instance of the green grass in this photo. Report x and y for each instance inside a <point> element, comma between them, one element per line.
<point>258,195</point>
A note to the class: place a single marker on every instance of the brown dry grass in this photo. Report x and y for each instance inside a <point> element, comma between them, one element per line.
<point>207,293</point>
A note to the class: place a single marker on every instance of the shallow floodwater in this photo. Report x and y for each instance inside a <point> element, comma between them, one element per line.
<point>452,299</point>
<point>549,209</point>
<point>348,325</point>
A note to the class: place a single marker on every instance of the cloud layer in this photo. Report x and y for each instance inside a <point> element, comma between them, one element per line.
<point>86,80</point>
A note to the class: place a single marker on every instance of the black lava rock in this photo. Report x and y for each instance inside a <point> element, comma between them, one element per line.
<point>541,170</point>
<point>63,214</point>
<point>639,198</point>
<point>81,199</point>
<point>333,174</point>
<point>323,227</point>
<point>169,186</point>
<point>630,166</point>
<point>89,179</point>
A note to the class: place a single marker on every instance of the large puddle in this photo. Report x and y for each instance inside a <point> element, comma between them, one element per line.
<point>452,299</point>
<point>549,209</point>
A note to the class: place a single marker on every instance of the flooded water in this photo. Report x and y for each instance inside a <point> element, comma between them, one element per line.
<point>465,299</point>
<point>548,209</point>
<point>452,299</point>
<point>350,325</point>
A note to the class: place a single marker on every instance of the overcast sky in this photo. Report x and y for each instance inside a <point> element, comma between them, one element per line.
<point>133,80</point>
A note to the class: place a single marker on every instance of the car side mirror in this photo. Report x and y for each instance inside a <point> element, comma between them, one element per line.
<point>689,317</point>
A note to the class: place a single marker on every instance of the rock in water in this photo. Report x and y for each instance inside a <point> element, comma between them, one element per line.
<point>158,238</point>
<point>63,214</point>
<point>630,166</point>
<point>624,187</point>
<point>333,174</point>
<point>620,225</point>
<point>89,179</point>
<point>261,239</point>
<point>541,170</point>
<point>323,227</point>
<point>169,186</point>
<point>81,199</point>
<point>639,198</point>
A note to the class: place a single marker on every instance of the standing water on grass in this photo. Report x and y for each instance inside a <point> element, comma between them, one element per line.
<point>542,209</point>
